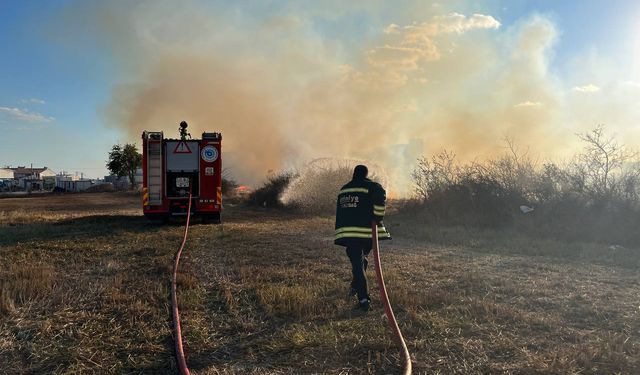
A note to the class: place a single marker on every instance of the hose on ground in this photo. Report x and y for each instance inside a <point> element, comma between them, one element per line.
<point>393,324</point>
<point>182,362</point>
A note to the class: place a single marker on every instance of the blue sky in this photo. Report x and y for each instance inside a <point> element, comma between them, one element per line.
<point>56,83</point>
<point>39,77</point>
<point>611,27</point>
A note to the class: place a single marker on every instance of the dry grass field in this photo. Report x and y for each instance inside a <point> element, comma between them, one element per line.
<point>84,289</point>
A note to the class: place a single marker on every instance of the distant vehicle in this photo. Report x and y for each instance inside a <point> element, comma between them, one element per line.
<point>174,168</point>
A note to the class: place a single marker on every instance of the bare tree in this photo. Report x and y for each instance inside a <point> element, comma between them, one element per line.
<point>602,158</point>
<point>515,170</point>
<point>435,174</point>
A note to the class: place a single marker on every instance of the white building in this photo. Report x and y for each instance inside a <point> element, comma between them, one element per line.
<point>6,179</point>
<point>6,174</point>
<point>70,184</point>
<point>34,178</point>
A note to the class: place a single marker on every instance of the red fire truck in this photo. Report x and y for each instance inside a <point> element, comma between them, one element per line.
<point>174,168</point>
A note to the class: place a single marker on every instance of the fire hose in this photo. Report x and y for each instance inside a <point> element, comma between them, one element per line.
<point>393,324</point>
<point>182,362</point>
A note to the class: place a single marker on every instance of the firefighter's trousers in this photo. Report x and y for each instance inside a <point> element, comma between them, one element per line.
<point>358,257</point>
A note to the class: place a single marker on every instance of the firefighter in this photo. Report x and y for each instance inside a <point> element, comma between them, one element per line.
<point>359,202</point>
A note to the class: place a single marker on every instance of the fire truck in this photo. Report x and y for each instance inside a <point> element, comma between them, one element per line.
<point>174,169</point>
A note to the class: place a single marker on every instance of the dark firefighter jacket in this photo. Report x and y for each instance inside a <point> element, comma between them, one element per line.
<point>359,202</point>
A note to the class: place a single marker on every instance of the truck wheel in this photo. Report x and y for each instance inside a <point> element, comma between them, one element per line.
<point>211,218</point>
<point>217,218</point>
<point>157,219</point>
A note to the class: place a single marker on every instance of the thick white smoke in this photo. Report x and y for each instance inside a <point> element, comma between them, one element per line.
<point>284,88</point>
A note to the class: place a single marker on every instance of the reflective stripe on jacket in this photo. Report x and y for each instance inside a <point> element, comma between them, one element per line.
<point>359,202</point>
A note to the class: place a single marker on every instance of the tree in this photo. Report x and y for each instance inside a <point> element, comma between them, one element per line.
<point>601,159</point>
<point>124,161</point>
<point>435,175</point>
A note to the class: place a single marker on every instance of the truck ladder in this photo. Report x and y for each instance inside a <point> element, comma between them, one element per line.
<point>154,172</point>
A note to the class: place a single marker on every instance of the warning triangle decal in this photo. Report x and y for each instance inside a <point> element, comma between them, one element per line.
<point>182,148</point>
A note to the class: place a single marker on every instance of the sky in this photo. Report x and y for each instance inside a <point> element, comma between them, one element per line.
<point>288,82</point>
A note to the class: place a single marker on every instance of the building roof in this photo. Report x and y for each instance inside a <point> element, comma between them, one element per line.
<point>25,170</point>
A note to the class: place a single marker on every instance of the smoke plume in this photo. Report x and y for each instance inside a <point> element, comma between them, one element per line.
<point>284,88</point>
